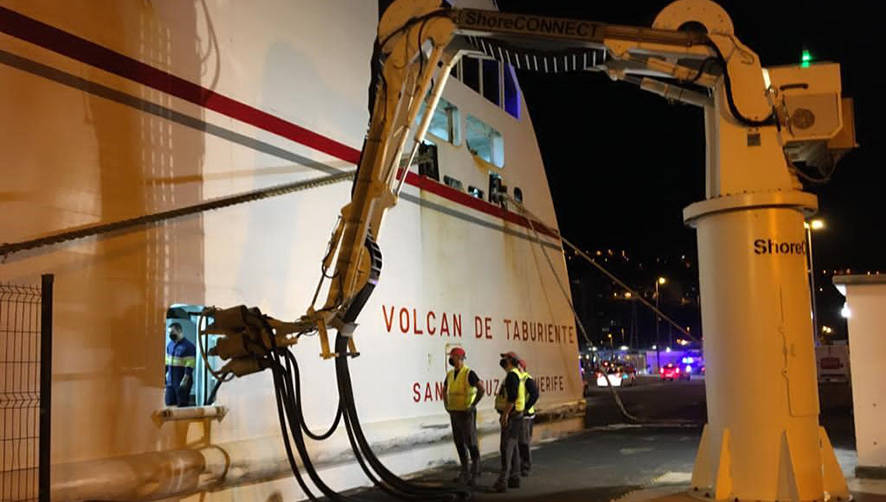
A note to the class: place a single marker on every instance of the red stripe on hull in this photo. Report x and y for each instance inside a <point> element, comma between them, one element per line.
<point>74,47</point>
<point>80,49</point>
<point>481,205</point>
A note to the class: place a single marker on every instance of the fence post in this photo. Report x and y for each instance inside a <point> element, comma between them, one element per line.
<point>45,384</point>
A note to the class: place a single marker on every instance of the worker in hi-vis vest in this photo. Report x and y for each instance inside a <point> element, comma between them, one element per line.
<point>462,391</point>
<point>528,419</point>
<point>510,403</point>
<point>181,357</point>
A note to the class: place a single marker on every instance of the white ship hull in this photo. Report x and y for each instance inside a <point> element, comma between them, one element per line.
<point>92,136</point>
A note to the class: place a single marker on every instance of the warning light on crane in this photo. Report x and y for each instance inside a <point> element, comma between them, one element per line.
<point>805,59</point>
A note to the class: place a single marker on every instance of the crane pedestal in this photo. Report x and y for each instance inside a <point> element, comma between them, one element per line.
<point>762,441</point>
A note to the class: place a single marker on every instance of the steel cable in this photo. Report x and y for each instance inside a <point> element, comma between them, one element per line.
<point>148,219</point>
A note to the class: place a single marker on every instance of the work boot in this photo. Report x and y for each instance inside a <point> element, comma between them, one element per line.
<point>500,486</point>
<point>524,472</point>
<point>475,473</point>
<point>463,477</point>
<point>514,483</point>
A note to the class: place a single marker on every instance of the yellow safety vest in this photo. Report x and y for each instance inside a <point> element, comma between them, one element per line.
<point>501,400</point>
<point>460,393</point>
<point>524,376</point>
<point>183,361</point>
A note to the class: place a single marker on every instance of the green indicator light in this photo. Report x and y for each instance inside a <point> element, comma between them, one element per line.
<point>805,59</point>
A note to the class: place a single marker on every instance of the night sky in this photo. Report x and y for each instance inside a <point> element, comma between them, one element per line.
<point>623,163</point>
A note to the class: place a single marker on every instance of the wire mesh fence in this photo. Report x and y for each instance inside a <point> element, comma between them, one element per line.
<point>23,380</point>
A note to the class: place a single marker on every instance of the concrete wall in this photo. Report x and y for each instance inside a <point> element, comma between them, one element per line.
<point>866,300</point>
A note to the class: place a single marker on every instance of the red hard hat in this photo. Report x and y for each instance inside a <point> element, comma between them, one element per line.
<point>457,351</point>
<point>511,355</point>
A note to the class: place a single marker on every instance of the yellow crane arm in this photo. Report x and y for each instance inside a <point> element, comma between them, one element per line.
<point>690,54</point>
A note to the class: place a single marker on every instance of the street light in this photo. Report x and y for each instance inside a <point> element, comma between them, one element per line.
<point>661,281</point>
<point>816,224</point>
<point>657,358</point>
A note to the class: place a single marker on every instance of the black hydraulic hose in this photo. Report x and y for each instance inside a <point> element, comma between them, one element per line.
<point>379,483</point>
<point>292,365</point>
<point>388,482</point>
<point>287,384</point>
<point>292,463</point>
<point>292,404</point>
<point>772,119</point>
<point>214,392</point>
<point>339,415</point>
<point>346,393</point>
<point>290,400</point>
<point>296,375</point>
<point>360,460</point>
<point>412,490</point>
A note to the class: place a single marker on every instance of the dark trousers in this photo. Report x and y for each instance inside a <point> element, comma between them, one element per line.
<point>464,435</point>
<point>525,439</point>
<point>178,395</point>
<point>510,453</point>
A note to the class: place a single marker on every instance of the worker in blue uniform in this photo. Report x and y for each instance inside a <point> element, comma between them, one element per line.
<point>181,357</point>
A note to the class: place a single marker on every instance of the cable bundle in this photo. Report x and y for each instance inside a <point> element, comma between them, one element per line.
<point>287,386</point>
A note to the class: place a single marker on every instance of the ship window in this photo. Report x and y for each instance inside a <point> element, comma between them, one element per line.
<point>427,160</point>
<point>470,72</point>
<point>456,70</point>
<point>444,122</point>
<point>475,192</point>
<point>511,92</point>
<point>495,81</point>
<point>187,380</point>
<point>452,182</point>
<point>484,141</point>
<point>518,194</point>
<point>496,188</point>
<point>491,80</point>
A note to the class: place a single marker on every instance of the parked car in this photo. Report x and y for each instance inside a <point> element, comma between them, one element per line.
<point>619,375</point>
<point>692,366</point>
<point>629,375</point>
<point>672,372</point>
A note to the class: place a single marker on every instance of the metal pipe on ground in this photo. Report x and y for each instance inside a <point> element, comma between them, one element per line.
<point>178,473</point>
<point>191,413</point>
<point>158,475</point>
